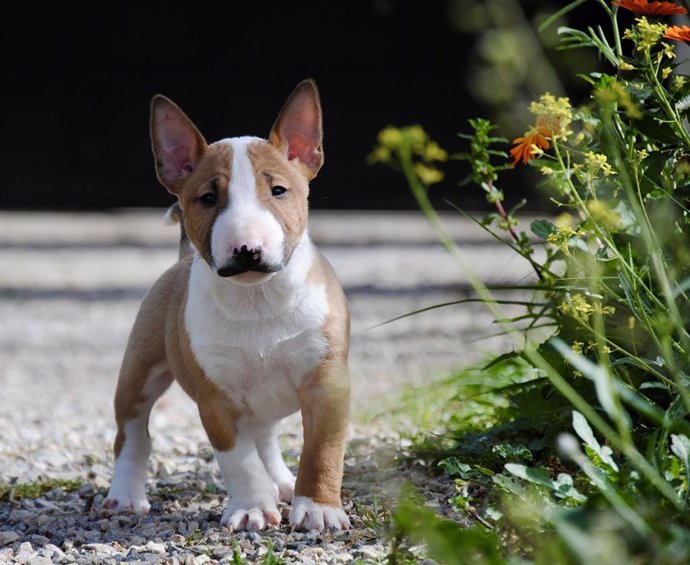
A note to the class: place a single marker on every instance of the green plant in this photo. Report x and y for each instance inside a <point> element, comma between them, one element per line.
<point>35,490</point>
<point>612,280</point>
<point>269,559</point>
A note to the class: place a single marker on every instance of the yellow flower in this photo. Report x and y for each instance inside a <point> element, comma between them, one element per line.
<point>577,347</point>
<point>596,162</point>
<point>577,308</point>
<point>597,308</point>
<point>579,304</point>
<point>562,236</point>
<point>434,152</point>
<point>668,50</point>
<point>602,214</point>
<point>645,34</point>
<point>380,154</point>
<point>579,138</point>
<point>428,175</point>
<point>409,141</point>
<point>616,93</point>
<point>415,134</point>
<point>536,150</point>
<point>390,137</point>
<point>678,82</point>
<point>553,114</point>
<point>564,220</point>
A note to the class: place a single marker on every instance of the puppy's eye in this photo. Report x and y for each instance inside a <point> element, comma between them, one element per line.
<point>208,198</point>
<point>278,191</point>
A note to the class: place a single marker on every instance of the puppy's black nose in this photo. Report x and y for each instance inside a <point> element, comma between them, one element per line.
<point>247,257</point>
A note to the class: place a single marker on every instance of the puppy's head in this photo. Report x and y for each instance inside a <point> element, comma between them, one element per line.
<point>244,199</point>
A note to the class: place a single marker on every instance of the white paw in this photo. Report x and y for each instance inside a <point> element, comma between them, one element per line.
<point>239,516</point>
<point>309,515</point>
<point>122,502</point>
<point>285,489</point>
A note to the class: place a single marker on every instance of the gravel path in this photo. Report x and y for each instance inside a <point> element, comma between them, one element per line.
<point>70,286</point>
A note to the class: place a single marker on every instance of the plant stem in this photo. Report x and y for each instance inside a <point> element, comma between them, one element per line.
<point>616,440</point>
<point>627,448</point>
<point>660,92</point>
<point>501,211</point>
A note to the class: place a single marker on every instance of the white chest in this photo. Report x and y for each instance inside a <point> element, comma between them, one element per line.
<point>257,344</point>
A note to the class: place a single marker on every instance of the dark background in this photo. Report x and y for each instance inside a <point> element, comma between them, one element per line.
<point>77,78</point>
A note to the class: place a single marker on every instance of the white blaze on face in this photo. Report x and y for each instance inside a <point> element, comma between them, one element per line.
<point>245,221</point>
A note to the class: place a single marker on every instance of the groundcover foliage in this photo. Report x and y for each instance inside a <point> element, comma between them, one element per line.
<point>586,458</point>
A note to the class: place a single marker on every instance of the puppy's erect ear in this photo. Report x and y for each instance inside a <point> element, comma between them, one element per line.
<point>177,144</point>
<point>297,130</point>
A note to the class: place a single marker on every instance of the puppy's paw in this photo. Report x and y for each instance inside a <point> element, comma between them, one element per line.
<point>286,488</point>
<point>121,502</point>
<point>309,515</point>
<point>240,516</point>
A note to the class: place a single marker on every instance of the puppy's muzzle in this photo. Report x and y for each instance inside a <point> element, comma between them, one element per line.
<point>245,259</point>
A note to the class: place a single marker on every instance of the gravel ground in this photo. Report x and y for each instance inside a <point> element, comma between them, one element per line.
<point>70,286</point>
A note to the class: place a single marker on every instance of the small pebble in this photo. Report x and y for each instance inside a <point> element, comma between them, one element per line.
<point>40,560</point>
<point>7,538</point>
<point>183,527</point>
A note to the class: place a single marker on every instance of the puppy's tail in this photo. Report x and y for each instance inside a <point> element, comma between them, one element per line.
<point>174,216</point>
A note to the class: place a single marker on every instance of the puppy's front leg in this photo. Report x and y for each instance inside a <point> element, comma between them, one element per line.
<point>325,403</point>
<point>267,444</point>
<point>252,494</point>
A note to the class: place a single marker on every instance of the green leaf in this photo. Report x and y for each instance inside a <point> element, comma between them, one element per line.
<point>447,541</point>
<point>657,131</point>
<point>680,445</point>
<point>507,483</point>
<point>507,451</point>
<point>236,554</point>
<point>562,487</point>
<point>455,468</point>
<point>542,228</point>
<point>537,475</point>
<point>652,165</point>
<point>582,428</point>
<point>493,513</point>
<point>604,382</point>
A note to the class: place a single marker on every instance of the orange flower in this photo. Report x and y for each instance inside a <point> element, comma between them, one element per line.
<point>523,150</point>
<point>645,8</point>
<point>678,33</point>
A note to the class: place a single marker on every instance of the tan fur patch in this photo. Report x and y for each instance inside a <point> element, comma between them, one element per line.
<point>271,168</point>
<point>325,401</point>
<point>145,349</point>
<point>211,174</point>
<point>158,335</point>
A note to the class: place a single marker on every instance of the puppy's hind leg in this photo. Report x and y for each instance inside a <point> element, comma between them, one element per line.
<point>138,389</point>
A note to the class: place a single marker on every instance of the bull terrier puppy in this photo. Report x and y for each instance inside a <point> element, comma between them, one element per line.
<point>251,322</point>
